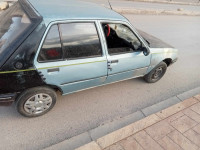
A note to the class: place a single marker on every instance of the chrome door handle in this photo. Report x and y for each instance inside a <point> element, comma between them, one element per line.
<point>53,70</point>
<point>114,61</point>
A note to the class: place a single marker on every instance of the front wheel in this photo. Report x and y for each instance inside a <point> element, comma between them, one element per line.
<point>36,101</point>
<point>157,73</point>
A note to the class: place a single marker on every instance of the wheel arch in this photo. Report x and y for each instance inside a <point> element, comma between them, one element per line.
<point>31,92</point>
<point>168,61</point>
<point>54,87</point>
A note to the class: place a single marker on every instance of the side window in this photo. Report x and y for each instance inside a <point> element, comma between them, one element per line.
<point>80,40</point>
<point>51,49</point>
<point>120,39</point>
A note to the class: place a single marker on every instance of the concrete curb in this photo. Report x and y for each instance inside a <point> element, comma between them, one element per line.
<point>149,11</point>
<point>169,102</point>
<point>189,94</point>
<point>154,11</point>
<point>115,125</point>
<point>167,2</point>
<point>160,106</point>
<point>72,143</point>
<point>133,128</point>
<point>133,121</point>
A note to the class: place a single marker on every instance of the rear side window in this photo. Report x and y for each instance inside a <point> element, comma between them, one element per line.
<point>80,40</point>
<point>51,49</point>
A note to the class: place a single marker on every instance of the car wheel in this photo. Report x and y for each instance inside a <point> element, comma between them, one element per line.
<point>36,101</point>
<point>157,73</point>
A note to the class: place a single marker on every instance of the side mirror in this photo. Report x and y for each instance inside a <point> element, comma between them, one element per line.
<point>146,51</point>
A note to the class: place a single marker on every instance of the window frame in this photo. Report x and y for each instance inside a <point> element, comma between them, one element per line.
<point>43,41</point>
<point>95,56</point>
<point>120,53</point>
<point>130,26</point>
<point>67,22</point>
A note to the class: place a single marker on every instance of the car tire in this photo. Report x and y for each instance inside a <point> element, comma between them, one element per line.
<point>157,73</point>
<point>36,101</point>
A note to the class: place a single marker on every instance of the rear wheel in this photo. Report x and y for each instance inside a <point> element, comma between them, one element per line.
<point>157,73</point>
<point>36,101</point>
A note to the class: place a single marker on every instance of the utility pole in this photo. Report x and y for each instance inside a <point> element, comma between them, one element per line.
<point>109,4</point>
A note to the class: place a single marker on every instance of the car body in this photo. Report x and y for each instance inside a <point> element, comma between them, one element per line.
<point>71,46</point>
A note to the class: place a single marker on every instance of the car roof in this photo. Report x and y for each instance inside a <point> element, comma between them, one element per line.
<point>54,10</point>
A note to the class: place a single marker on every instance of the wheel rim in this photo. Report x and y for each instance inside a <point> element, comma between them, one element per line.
<point>38,103</point>
<point>157,73</point>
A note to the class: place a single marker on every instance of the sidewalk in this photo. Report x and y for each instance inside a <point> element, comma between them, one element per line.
<point>174,128</point>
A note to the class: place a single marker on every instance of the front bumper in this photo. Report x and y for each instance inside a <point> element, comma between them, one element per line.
<point>7,99</point>
<point>173,61</point>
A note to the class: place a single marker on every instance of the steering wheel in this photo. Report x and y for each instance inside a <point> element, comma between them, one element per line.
<point>108,30</point>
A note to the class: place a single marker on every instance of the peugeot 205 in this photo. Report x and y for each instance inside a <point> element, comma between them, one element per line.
<point>70,46</point>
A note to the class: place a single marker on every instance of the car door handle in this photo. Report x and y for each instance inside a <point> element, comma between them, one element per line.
<point>53,70</point>
<point>114,61</point>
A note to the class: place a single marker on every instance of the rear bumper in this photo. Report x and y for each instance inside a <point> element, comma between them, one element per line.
<point>7,99</point>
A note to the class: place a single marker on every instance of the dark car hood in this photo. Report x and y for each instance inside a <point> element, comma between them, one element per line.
<point>154,42</point>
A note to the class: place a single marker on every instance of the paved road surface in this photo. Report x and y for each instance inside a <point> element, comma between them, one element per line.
<point>143,5</point>
<point>138,5</point>
<point>76,113</point>
<point>130,4</point>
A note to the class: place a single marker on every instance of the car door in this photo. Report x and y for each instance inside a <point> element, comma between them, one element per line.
<point>124,52</point>
<point>71,56</point>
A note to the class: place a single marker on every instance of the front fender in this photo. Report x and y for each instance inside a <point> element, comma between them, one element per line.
<point>160,54</point>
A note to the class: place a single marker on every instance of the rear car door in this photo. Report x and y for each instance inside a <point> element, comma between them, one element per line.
<point>71,57</point>
<point>124,52</point>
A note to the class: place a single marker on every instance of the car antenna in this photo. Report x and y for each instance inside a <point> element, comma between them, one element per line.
<point>109,4</point>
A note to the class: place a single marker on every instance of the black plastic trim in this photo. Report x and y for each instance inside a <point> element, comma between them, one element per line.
<point>7,99</point>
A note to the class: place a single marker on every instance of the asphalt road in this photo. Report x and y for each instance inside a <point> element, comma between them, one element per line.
<point>144,5</point>
<point>129,4</point>
<point>79,112</point>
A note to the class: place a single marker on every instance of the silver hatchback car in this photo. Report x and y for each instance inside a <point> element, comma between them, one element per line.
<point>71,46</point>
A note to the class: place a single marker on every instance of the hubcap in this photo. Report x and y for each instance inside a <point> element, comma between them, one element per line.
<point>158,72</point>
<point>38,103</point>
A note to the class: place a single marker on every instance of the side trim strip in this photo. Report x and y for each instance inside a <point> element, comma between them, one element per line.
<point>71,64</point>
<point>165,53</point>
<point>103,84</point>
<point>5,98</point>
<point>129,70</point>
<point>74,82</point>
<point>4,72</point>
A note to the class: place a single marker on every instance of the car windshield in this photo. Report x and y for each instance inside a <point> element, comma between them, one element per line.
<point>13,22</point>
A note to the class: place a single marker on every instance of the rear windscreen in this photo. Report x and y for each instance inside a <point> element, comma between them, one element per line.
<point>13,23</point>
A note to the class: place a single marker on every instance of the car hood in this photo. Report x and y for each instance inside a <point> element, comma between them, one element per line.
<point>154,42</point>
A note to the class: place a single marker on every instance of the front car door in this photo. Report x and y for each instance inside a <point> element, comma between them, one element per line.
<point>124,52</point>
<point>71,56</point>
